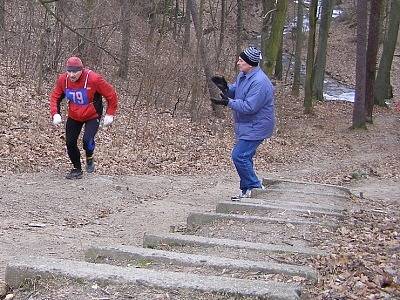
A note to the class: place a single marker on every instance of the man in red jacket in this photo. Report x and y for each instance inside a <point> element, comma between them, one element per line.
<point>83,90</point>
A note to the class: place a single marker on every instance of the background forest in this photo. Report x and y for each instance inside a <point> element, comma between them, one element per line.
<point>160,61</point>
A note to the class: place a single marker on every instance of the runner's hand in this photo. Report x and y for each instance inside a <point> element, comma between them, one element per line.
<point>108,119</point>
<point>56,119</point>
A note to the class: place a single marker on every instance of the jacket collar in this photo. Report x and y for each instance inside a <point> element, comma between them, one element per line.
<point>251,73</point>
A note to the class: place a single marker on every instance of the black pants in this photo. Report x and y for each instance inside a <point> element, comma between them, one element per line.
<point>73,129</point>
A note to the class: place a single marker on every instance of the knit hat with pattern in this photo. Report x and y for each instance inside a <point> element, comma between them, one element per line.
<point>251,55</point>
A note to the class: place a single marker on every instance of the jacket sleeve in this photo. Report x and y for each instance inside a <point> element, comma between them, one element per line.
<point>231,90</point>
<point>255,99</point>
<point>108,92</point>
<point>57,95</point>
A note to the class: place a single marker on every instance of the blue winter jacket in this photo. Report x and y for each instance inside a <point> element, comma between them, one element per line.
<point>253,105</point>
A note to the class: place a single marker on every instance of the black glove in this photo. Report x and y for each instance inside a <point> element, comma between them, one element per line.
<point>224,100</point>
<point>221,83</point>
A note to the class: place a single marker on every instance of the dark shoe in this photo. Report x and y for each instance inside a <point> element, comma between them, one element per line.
<point>90,165</point>
<point>74,174</point>
<point>236,197</point>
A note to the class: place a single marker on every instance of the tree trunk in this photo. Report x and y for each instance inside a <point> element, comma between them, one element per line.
<point>372,52</point>
<point>359,99</point>
<point>40,60</point>
<point>152,22</point>
<point>195,88</point>
<point>308,102</point>
<point>186,35</point>
<point>299,48</point>
<point>268,9</point>
<point>175,28</point>
<point>320,59</point>
<point>239,27</point>
<point>126,38</point>
<point>382,84</point>
<point>274,41</point>
<point>278,65</point>
<point>207,70</point>
<point>200,18</point>
<point>2,15</point>
<point>59,29</point>
<point>84,48</point>
<point>221,30</point>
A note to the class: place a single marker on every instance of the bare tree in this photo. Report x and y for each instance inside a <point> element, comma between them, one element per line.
<point>207,70</point>
<point>383,88</point>
<point>308,101</point>
<point>175,24</point>
<point>200,17</point>
<point>320,58</point>
<point>299,48</point>
<point>94,43</point>
<point>268,10</point>
<point>195,88</point>
<point>58,35</point>
<point>372,52</point>
<point>41,55</point>
<point>359,99</point>
<point>186,35</point>
<point>85,50</point>
<point>279,63</point>
<point>239,27</point>
<point>274,41</point>
<point>126,37</point>
<point>152,21</point>
<point>2,15</point>
<point>221,30</point>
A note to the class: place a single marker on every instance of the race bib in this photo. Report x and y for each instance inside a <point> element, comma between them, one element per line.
<point>77,96</point>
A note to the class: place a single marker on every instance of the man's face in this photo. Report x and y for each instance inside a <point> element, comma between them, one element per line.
<point>74,75</point>
<point>243,66</point>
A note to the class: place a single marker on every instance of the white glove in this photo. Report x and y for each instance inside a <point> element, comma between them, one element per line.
<point>57,119</point>
<point>108,119</point>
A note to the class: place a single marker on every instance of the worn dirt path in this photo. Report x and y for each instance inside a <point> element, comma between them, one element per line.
<point>44,214</point>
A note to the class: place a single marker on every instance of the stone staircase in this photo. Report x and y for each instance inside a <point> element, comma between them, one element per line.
<point>261,248</point>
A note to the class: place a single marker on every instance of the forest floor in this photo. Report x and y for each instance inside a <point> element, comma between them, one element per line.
<point>193,174</point>
<point>153,169</point>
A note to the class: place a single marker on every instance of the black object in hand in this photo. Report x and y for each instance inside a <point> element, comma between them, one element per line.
<point>224,100</point>
<point>221,83</point>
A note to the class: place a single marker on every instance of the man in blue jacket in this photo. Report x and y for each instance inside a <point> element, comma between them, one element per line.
<point>251,99</point>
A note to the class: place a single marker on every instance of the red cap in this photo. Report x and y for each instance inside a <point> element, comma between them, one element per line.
<point>74,64</point>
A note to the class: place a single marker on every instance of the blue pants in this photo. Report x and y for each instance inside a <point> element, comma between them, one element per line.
<point>242,156</point>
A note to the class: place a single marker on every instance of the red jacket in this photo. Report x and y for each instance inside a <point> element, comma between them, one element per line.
<point>96,87</point>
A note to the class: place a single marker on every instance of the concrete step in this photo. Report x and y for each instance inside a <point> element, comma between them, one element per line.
<point>156,240</point>
<point>296,195</point>
<point>137,255</point>
<point>35,268</point>
<point>295,235</point>
<point>290,203</point>
<point>198,219</point>
<point>273,210</point>
<point>306,187</point>
<point>331,202</point>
